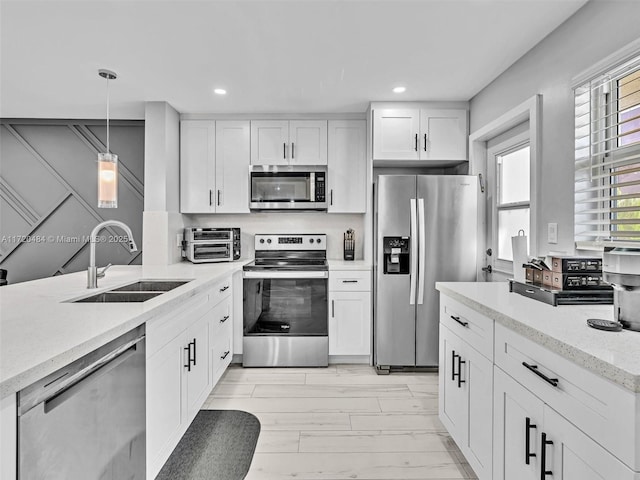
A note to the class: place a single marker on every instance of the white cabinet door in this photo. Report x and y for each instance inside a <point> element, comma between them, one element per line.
<point>197,166</point>
<point>347,166</point>
<point>452,404</point>
<point>395,134</point>
<point>197,376</point>
<point>350,323</point>
<point>575,456</point>
<point>165,400</point>
<point>443,135</point>
<point>518,426</point>
<point>233,154</point>
<point>308,142</point>
<point>270,142</point>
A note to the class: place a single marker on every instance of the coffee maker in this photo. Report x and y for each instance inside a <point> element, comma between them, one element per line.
<point>621,268</point>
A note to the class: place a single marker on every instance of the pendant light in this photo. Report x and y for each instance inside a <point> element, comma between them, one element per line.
<point>107,162</point>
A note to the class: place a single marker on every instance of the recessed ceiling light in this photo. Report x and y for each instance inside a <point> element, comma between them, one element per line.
<point>399,89</point>
<point>220,91</point>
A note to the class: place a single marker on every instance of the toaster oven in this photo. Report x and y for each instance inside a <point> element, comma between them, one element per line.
<point>204,245</point>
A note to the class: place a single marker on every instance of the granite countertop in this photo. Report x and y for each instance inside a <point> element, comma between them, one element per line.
<point>40,331</point>
<point>561,329</point>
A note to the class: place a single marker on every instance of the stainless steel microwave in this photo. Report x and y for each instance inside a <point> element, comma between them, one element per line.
<point>288,187</point>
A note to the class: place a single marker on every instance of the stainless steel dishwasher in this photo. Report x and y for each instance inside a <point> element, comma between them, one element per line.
<point>87,420</point>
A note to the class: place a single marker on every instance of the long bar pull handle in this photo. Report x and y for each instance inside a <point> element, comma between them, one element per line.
<point>225,355</point>
<point>194,351</point>
<point>457,319</point>
<point>331,197</point>
<point>188,350</point>
<point>422,252</point>
<point>224,319</point>
<point>425,142</point>
<point>534,369</point>
<point>453,365</point>
<point>333,309</point>
<point>460,363</point>
<point>414,252</point>
<point>416,147</point>
<point>293,150</point>
<point>284,151</point>
<point>218,197</point>
<point>210,197</point>
<point>527,440</point>
<point>224,289</point>
<point>543,457</point>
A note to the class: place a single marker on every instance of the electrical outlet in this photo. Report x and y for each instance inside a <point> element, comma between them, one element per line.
<point>552,233</point>
<point>179,240</point>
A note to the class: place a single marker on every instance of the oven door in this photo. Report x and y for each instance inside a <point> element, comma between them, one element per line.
<point>209,252</point>
<point>285,303</point>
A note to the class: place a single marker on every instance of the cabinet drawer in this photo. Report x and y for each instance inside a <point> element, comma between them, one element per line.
<point>221,317</point>
<point>471,326</point>
<point>221,290</point>
<point>603,410</point>
<point>350,280</point>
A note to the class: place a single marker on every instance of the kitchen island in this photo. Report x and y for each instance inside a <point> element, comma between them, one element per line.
<point>557,395</point>
<point>41,330</point>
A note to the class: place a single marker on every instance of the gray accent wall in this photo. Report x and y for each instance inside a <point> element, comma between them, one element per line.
<point>48,194</point>
<point>596,31</point>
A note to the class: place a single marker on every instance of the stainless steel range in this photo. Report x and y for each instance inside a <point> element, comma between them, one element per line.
<point>285,302</point>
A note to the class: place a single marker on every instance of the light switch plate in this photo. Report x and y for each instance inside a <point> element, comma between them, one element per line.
<point>552,233</point>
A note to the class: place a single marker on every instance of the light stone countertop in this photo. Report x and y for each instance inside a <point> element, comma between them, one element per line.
<point>562,329</point>
<point>349,265</point>
<point>41,332</point>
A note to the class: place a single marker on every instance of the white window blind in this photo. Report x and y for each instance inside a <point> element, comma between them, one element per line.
<point>607,158</point>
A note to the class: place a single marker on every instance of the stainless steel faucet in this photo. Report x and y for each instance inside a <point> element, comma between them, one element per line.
<point>92,272</point>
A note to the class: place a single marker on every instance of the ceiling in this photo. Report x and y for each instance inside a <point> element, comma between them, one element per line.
<point>272,56</point>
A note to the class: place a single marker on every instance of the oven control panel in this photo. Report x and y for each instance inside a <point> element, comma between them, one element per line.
<point>306,241</point>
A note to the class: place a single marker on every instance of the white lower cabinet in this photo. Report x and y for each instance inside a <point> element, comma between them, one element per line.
<point>532,441</point>
<point>465,404</point>
<point>350,312</point>
<point>183,351</point>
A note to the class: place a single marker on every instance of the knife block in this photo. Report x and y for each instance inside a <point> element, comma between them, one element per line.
<point>349,248</point>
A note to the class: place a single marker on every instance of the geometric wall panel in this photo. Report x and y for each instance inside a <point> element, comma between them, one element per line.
<point>48,194</point>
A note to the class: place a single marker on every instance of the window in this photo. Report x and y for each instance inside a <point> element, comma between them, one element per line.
<point>607,158</point>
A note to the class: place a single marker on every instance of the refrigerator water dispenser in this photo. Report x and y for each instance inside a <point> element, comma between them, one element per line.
<point>396,255</point>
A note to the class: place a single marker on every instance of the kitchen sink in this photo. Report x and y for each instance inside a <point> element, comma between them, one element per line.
<point>139,291</point>
<point>112,297</point>
<point>151,286</point>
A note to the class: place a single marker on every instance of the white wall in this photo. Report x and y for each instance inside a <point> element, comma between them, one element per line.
<point>597,30</point>
<point>334,225</point>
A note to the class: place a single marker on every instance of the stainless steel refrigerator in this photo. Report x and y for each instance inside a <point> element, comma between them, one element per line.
<point>426,232</point>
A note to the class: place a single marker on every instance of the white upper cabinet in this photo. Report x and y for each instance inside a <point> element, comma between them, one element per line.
<point>197,166</point>
<point>214,166</point>
<point>232,166</point>
<point>443,134</point>
<point>420,134</point>
<point>395,134</point>
<point>283,142</point>
<point>347,166</point>
<point>269,142</point>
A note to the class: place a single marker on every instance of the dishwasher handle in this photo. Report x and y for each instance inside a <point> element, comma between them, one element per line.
<point>82,379</point>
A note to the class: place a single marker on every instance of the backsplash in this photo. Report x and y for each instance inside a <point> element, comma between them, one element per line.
<point>334,225</point>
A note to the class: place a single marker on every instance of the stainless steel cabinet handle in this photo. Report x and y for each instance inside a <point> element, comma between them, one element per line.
<point>225,355</point>
<point>224,319</point>
<point>534,369</point>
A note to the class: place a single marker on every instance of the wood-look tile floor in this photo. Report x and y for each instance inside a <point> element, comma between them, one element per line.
<point>342,422</point>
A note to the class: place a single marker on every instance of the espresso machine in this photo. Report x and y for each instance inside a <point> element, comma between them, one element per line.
<point>621,268</point>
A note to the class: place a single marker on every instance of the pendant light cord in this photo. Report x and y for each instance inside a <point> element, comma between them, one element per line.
<point>108,150</point>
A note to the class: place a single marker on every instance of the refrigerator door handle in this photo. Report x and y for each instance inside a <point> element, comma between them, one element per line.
<point>414,252</point>
<point>422,251</point>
